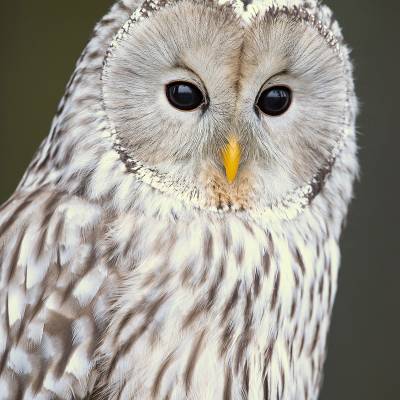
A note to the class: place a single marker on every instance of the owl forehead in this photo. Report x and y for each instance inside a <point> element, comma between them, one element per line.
<point>245,12</point>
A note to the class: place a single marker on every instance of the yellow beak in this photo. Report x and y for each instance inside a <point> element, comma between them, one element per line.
<point>231,158</point>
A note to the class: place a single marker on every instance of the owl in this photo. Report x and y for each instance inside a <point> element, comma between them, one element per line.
<point>176,235</point>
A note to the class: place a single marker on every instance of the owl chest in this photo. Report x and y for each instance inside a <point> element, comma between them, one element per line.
<point>214,310</point>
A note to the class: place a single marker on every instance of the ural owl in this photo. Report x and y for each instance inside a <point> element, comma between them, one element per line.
<point>176,235</point>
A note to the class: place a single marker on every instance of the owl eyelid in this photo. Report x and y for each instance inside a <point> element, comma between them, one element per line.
<point>190,71</point>
<point>268,83</point>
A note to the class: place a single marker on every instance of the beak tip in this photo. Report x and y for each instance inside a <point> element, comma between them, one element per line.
<point>230,179</point>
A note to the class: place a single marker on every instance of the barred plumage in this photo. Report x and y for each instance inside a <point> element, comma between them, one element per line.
<point>130,268</point>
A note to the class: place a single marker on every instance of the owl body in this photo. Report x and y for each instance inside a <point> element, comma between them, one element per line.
<point>233,310</point>
<point>130,267</point>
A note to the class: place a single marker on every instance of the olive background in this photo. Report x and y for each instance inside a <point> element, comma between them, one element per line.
<point>39,44</point>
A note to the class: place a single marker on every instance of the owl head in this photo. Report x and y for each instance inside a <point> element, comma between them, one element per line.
<point>234,105</point>
<point>209,105</point>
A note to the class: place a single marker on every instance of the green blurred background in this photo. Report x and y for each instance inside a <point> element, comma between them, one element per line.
<point>40,42</point>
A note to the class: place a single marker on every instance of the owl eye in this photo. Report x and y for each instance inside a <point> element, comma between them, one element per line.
<point>275,101</point>
<point>184,96</point>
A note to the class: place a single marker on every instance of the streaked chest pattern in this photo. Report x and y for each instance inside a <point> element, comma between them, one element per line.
<point>218,308</point>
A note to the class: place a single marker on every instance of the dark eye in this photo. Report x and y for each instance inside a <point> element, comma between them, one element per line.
<point>275,101</point>
<point>184,96</point>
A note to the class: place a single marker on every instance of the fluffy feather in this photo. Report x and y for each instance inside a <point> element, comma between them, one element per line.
<point>129,272</point>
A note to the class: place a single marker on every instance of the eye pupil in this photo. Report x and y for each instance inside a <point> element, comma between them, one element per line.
<point>275,101</point>
<point>184,96</point>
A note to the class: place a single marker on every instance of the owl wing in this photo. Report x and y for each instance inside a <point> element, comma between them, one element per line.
<point>52,279</point>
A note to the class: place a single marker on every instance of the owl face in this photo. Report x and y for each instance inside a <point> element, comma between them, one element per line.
<point>240,112</point>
